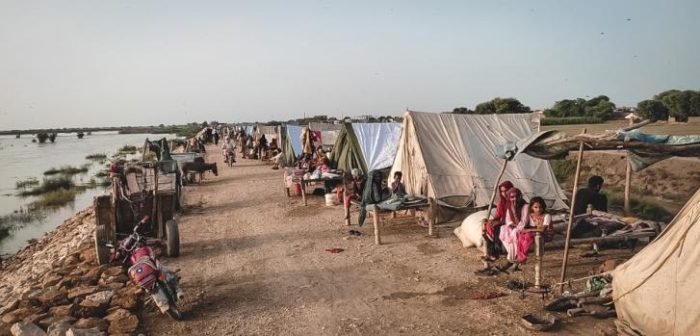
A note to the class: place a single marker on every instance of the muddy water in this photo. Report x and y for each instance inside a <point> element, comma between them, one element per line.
<point>21,159</point>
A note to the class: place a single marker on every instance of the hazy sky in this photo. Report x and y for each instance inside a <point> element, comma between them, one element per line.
<point>94,63</point>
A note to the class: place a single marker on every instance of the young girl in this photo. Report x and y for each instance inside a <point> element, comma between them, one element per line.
<point>540,218</point>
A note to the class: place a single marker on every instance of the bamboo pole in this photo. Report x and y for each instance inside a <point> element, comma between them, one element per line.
<point>346,207</point>
<point>571,212</point>
<point>375,219</point>
<point>495,188</point>
<point>538,259</point>
<point>431,217</point>
<point>628,182</point>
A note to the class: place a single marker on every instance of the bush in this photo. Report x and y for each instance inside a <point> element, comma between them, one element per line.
<point>549,121</point>
<point>67,170</point>
<point>55,198</point>
<point>49,185</point>
<point>127,149</point>
<point>96,156</point>
<point>27,183</point>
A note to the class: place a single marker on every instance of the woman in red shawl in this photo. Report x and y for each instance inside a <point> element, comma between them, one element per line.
<point>493,226</point>
<point>516,242</point>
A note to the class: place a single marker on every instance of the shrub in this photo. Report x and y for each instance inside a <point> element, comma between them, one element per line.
<point>27,183</point>
<point>55,198</point>
<point>49,185</point>
<point>96,156</point>
<point>67,170</point>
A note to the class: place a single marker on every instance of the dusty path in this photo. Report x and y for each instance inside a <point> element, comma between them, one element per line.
<point>254,263</point>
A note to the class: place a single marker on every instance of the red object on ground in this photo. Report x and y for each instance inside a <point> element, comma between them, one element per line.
<point>297,189</point>
<point>335,250</point>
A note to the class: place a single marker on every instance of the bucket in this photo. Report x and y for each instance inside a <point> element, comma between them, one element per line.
<point>331,199</point>
<point>297,189</point>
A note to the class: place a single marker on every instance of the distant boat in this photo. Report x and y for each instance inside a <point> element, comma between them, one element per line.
<point>81,135</point>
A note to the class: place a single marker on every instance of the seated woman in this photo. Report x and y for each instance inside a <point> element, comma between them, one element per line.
<point>492,227</point>
<point>517,219</point>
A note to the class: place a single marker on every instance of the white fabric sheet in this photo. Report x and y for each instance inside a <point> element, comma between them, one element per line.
<point>378,142</point>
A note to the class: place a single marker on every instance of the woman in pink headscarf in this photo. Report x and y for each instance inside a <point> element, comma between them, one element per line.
<point>517,219</point>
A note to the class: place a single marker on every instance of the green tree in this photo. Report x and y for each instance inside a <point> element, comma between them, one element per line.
<point>678,103</point>
<point>652,109</point>
<point>462,110</point>
<point>500,105</point>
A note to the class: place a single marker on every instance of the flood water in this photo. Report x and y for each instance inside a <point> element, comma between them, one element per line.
<point>20,159</point>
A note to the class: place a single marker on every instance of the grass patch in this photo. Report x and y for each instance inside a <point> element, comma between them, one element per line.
<point>49,185</point>
<point>102,173</point>
<point>20,217</point>
<point>549,121</point>
<point>55,198</point>
<point>639,206</point>
<point>97,156</point>
<point>563,169</point>
<point>30,182</point>
<point>127,149</point>
<point>67,170</point>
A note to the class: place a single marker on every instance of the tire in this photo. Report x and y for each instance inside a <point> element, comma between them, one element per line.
<point>172,233</point>
<point>101,249</point>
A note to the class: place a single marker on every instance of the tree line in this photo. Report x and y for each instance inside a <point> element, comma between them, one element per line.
<point>672,103</point>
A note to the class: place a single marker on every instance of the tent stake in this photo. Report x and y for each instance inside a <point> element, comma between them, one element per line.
<point>571,213</point>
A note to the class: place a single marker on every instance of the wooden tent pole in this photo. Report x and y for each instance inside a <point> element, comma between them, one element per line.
<point>495,188</point>
<point>628,181</point>
<point>571,213</point>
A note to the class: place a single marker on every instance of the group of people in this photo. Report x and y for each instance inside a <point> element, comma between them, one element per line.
<point>511,229</point>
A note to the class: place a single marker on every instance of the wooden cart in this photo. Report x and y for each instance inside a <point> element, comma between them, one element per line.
<point>138,190</point>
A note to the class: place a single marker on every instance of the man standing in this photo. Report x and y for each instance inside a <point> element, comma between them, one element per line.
<point>592,196</point>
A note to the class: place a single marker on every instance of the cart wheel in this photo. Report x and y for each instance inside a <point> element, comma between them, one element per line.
<point>173,235</point>
<point>101,248</point>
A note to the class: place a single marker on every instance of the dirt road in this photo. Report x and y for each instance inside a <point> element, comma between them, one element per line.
<point>254,263</point>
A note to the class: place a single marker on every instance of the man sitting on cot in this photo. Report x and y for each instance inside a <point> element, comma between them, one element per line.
<point>397,188</point>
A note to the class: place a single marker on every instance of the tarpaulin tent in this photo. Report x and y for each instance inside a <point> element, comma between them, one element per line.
<point>366,146</point>
<point>644,149</point>
<point>291,143</point>
<point>444,155</point>
<point>271,132</point>
<point>656,292</point>
<point>329,132</point>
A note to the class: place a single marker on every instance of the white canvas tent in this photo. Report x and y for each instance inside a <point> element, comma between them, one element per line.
<point>444,155</point>
<point>656,292</point>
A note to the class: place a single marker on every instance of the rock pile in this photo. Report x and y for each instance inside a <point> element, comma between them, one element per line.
<point>54,287</point>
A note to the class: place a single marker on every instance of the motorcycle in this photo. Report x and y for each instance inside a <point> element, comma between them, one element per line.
<point>148,273</point>
<point>230,157</point>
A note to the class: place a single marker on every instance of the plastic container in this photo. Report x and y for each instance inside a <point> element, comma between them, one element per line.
<point>331,199</point>
<point>297,189</point>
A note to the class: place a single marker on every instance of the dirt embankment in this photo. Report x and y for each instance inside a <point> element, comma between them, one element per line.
<point>255,262</point>
<point>55,286</point>
<point>670,182</point>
